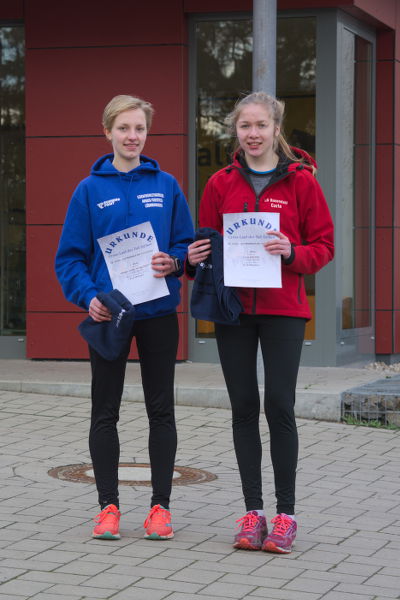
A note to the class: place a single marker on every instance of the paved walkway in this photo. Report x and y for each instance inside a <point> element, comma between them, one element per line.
<point>348,512</point>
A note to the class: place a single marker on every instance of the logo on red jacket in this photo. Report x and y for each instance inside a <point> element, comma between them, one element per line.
<point>276,202</point>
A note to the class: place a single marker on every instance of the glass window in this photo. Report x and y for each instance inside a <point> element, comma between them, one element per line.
<point>224,72</point>
<point>12,181</point>
<point>356,172</point>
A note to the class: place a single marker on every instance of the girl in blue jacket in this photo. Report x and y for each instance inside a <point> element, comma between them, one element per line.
<point>125,189</point>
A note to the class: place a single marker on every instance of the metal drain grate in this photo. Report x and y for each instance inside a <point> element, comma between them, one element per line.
<point>135,474</point>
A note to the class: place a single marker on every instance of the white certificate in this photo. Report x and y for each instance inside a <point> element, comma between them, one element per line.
<point>246,261</point>
<point>128,256</point>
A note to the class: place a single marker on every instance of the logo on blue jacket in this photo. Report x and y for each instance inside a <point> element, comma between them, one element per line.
<point>108,202</point>
<point>154,199</point>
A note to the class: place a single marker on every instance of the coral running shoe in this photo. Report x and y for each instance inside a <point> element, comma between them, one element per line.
<point>107,527</point>
<point>158,524</point>
<point>253,530</point>
<point>281,539</point>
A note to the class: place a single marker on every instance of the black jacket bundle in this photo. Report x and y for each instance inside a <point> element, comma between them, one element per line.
<point>110,338</point>
<point>211,300</point>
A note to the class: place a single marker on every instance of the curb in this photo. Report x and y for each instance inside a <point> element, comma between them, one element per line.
<point>309,404</point>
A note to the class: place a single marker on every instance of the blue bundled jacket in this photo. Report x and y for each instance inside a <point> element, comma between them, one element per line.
<point>108,201</point>
<point>110,338</point>
<point>211,299</point>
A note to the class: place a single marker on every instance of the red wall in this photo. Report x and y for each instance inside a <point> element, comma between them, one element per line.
<point>388,192</point>
<point>382,12</point>
<point>77,59</point>
<point>11,10</point>
<point>396,188</point>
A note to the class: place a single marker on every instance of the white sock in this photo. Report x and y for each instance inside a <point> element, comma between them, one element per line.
<point>259,512</point>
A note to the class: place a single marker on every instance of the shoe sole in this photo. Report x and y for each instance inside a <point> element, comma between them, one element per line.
<point>244,544</point>
<point>271,547</point>
<point>107,535</point>
<point>156,536</point>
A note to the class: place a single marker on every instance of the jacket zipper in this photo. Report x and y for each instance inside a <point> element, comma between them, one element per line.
<point>257,209</point>
<point>245,209</point>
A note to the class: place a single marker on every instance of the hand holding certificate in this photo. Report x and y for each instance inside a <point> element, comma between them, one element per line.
<point>128,255</point>
<point>246,262</point>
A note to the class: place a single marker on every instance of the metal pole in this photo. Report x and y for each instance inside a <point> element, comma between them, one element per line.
<point>264,46</point>
<point>264,73</point>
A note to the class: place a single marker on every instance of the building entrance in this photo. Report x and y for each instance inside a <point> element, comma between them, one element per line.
<point>222,63</point>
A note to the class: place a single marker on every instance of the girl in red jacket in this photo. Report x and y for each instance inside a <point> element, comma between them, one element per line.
<point>267,176</point>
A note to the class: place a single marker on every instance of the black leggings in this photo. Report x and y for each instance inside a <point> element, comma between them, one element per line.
<point>281,340</point>
<point>157,343</point>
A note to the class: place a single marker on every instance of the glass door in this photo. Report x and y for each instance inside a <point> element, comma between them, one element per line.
<point>224,69</point>
<point>221,71</point>
<point>356,220</point>
<point>12,192</point>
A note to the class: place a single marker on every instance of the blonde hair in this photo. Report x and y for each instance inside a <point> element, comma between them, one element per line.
<point>276,109</point>
<point>120,103</point>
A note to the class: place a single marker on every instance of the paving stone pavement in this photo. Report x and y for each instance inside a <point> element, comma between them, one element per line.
<point>348,502</point>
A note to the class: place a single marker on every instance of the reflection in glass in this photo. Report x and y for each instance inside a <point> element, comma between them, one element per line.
<point>224,51</point>
<point>12,181</point>
<point>356,178</point>
<point>224,72</point>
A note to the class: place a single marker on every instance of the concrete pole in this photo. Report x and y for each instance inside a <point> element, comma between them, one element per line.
<point>264,46</point>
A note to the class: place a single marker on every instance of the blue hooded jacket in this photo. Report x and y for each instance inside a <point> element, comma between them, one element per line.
<point>108,201</point>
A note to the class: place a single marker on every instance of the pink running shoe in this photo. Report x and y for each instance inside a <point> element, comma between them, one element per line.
<point>281,539</point>
<point>253,530</point>
<point>107,527</point>
<point>158,524</point>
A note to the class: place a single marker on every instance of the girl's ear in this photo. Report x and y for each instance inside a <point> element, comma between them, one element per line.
<point>107,133</point>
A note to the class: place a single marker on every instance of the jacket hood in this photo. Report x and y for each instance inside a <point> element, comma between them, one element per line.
<point>103,165</point>
<point>306,158</point>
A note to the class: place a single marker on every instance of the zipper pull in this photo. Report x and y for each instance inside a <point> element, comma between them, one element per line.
<point>245,207</point>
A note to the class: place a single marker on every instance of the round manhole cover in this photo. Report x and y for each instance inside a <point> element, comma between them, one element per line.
<point>131,474</point>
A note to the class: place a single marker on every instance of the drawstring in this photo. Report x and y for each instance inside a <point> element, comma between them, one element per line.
<point>126,194</point>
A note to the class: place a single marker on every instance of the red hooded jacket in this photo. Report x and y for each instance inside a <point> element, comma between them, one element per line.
<point>305,219</point>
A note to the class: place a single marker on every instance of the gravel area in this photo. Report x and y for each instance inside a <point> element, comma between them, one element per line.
<point>383,367</point>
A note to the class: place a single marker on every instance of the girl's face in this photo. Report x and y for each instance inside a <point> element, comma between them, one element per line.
<point>128,136</point>
<point>256,132</point>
